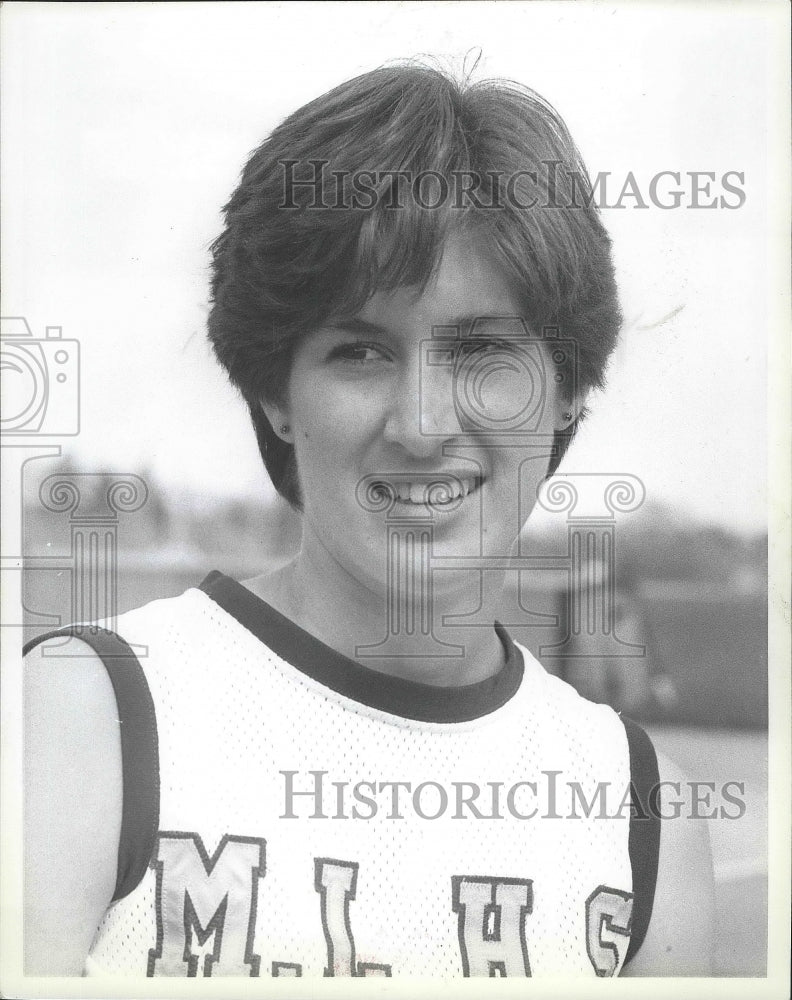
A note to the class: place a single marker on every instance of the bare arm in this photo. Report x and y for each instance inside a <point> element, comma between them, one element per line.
<point>73,797</point>
<point>679,940</point>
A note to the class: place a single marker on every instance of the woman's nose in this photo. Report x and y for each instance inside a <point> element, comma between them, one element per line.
<point>421,413</point>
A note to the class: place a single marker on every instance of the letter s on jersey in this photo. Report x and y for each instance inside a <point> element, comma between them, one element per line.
<point>608,922</point>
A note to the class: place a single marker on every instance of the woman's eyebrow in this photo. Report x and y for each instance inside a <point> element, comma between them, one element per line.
<point>354,324</point>
<point>483,318</point>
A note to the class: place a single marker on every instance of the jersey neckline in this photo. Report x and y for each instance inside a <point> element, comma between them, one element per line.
<point>325,665</point>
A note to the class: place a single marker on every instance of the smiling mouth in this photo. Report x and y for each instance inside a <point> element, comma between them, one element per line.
<point>439,493</point>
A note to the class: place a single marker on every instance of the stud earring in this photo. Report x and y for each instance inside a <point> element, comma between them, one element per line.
<point>567,415</point>
<point>284,428</point>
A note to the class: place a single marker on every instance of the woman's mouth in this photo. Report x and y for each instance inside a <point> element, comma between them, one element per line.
<point>439,493</point>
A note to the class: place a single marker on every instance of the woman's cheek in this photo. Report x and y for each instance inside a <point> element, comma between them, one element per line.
<point>354,410</point>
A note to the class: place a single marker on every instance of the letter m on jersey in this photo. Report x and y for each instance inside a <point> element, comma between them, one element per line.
<point>206,906</point>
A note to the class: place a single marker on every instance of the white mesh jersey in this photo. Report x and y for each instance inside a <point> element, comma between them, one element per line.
<point>288,811</point>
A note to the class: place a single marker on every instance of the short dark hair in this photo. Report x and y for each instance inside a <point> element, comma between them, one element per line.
<point>289,259</point>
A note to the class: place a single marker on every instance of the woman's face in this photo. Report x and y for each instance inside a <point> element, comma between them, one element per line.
<point>375,398</point>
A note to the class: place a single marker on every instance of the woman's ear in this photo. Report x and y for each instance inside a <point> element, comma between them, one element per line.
<point>569,410</point>
<point>278,417</point>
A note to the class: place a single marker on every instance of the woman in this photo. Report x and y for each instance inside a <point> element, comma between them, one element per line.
<point>414,295</point>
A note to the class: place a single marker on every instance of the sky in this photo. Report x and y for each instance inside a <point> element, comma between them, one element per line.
<point>125,127</point>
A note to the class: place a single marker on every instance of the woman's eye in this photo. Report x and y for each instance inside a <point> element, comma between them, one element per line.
<point>358,353</point>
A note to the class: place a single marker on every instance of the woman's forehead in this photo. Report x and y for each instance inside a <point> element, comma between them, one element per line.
<point>468,282</point>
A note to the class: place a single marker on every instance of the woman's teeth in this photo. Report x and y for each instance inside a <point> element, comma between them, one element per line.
<point>435,494</point>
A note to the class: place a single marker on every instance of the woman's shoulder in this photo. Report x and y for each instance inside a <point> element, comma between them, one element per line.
<point>557,696</point>
<point>73,802</point>
<point>680,936</point>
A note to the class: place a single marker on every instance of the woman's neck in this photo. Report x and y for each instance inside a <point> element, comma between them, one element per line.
<point>352,618</point>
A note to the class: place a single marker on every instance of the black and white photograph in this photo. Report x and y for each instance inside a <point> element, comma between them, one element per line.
<point>395,525</point>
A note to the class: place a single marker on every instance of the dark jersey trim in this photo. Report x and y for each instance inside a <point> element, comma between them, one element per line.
<point>644,838</point>
<point>410,699</point>
<point>139,750</point>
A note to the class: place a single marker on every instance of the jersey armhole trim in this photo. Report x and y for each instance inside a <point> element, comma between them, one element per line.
<point>139,750</point>
<point>644,836</point>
